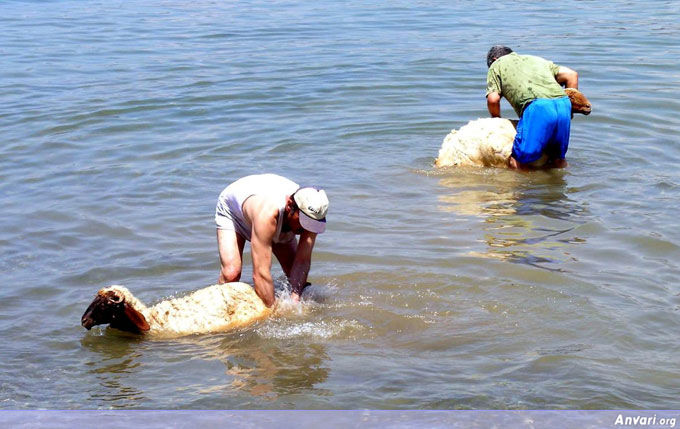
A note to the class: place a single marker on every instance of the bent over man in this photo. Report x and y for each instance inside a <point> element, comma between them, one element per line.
<point>269,211</point>
<point>532,86</point>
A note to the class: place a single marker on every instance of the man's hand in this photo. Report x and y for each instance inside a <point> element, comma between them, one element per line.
<point>296,296</point>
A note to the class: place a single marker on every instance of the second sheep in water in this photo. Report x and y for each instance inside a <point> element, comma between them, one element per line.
<point>487,142</point>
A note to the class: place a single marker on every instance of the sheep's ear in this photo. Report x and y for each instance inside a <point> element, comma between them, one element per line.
<point>136,318</point>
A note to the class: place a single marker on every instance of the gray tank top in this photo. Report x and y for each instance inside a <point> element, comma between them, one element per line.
<point>270,186</point>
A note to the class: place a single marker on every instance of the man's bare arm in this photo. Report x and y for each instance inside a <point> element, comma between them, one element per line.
<point>493,103</point>
<point>567,77</point>
<point>302,263</point>
<point>263,218</point>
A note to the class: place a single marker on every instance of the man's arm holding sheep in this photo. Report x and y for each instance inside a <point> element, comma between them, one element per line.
<point>493,93</point>
<point>301,263</point>
<point>263,218</point>
<point>567,77</point>
<point>493,103</point>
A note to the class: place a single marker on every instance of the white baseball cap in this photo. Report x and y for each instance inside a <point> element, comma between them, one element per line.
<point>313,205</point>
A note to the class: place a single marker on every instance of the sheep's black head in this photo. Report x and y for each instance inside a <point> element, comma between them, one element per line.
<point>109,306</point>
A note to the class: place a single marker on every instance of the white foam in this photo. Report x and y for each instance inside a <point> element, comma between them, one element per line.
<point>290,315</point>
<point>312,296</point>
<point>317,329</point>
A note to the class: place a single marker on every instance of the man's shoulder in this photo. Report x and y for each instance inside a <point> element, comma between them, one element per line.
<point>259,208</point>
<point>530,57</point>
<point>514,63</point>
<point>519,59</point>
<point>536,62</point>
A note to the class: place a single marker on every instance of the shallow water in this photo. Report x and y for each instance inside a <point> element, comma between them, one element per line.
<point>432,289</point>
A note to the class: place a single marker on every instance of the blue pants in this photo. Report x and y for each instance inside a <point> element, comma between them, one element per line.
<point>543,127</point>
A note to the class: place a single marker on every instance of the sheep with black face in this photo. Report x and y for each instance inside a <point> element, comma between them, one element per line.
<point>212,309</point>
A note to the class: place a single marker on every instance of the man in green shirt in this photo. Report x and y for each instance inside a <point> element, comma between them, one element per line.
<point>533,87</point>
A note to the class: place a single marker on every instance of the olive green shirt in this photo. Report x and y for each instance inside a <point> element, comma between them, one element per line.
<point>523,78</point>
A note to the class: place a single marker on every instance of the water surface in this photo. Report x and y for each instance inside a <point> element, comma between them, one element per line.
<point>121,123</point>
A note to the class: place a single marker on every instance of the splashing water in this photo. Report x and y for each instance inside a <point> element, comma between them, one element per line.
<point>312,296</point>
<point>291,315</point>
<point>319,329</point>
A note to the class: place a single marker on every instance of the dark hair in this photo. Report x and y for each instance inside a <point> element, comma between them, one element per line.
<point>496,52</point>
<point>292,199</point>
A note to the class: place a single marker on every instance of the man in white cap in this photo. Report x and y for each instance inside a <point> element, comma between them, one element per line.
<point>269,211</point>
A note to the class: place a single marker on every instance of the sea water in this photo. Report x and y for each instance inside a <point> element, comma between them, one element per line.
<point>121,122</point>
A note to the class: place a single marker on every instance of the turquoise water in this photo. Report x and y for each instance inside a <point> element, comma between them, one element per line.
<point>432,289</point>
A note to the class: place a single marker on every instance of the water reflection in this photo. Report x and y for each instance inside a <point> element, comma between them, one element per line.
<point>127,368</point>
<point>528,217</point>
<point>265,368</point>
<point>115,357</point>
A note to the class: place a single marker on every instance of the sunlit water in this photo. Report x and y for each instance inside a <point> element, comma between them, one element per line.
<point>121,122</point>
